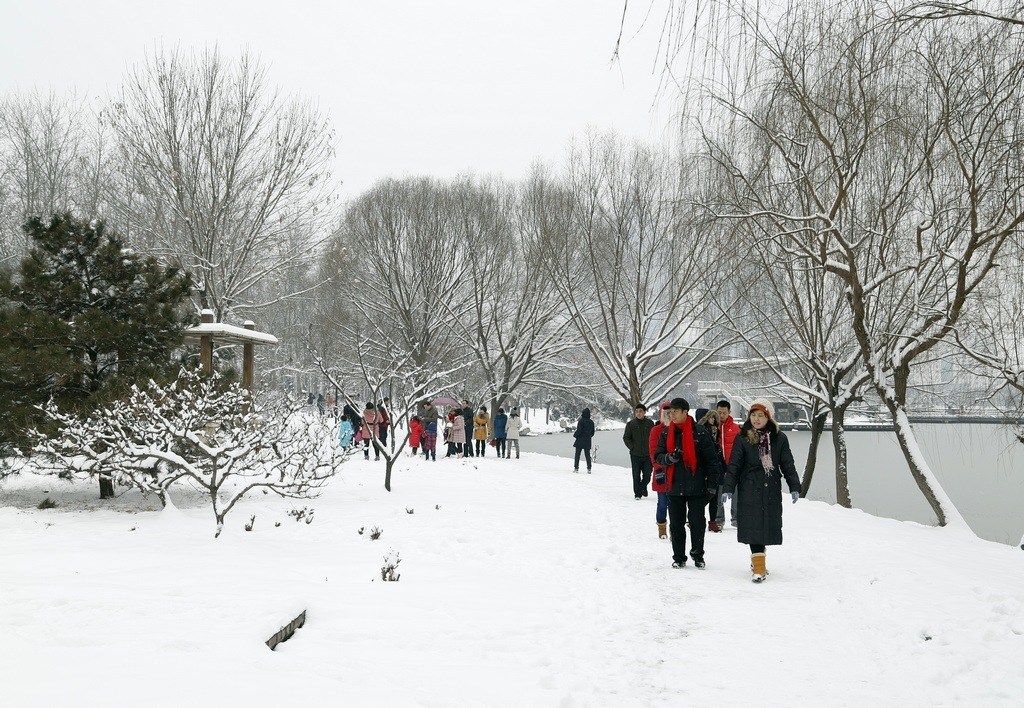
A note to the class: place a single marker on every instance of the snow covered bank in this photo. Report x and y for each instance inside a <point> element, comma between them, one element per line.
<point>536,425</point>
<point>521,584</point>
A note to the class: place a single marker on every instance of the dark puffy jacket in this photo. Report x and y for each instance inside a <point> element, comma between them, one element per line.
<point>759,497</point>
<point>684,481</point>
<point>467,416</point>
<point>500,421</point>
<point>637,435</point>
<point>584,431</point>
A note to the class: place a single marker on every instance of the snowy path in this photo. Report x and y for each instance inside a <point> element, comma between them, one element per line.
<point>529,586</point>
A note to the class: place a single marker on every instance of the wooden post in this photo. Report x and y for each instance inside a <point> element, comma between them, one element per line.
<point>206,344</point>
<point>247,351</point>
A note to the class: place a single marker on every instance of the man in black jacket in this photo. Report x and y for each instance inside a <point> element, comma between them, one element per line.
<point>690,457</point>
<point>637,437</point>
<point>467,416</point>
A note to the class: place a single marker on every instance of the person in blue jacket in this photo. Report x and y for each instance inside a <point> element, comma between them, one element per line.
<point>500,431</point>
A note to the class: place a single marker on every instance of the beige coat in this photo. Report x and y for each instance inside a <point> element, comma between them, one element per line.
<point>481,426</point>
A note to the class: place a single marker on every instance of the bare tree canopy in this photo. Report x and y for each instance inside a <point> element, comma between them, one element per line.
<point>221,172</point>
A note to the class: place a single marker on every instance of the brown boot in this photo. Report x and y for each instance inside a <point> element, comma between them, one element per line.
<point>757,567</point>
<point>662,529</point>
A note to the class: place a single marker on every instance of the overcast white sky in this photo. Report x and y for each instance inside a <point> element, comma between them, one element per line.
<point>412,87</point>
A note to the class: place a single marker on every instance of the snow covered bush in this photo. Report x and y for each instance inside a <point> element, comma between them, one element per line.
<point>388,571</point>
<point>200,432</point>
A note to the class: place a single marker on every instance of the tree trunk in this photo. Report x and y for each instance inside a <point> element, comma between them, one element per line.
<point>839,445</point>
<point>941,505</point>
<point>389,462</point>
<point>106,487</point>
<point>817,428</point>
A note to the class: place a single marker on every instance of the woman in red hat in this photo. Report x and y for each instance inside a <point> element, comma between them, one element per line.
<point>760,458</point>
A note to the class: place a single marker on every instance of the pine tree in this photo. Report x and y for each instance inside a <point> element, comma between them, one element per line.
<point>99,316</point>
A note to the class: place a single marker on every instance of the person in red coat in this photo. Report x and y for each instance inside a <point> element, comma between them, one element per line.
<point>727,432</point>
<point>415,434</point>
<point>660,481</point>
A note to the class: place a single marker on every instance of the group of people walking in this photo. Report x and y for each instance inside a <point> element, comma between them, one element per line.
<point>468,432</point>
<point>373,427</point>
<point>707,461</point>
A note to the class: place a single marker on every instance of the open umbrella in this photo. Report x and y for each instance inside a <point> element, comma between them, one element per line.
<point>444,401</point>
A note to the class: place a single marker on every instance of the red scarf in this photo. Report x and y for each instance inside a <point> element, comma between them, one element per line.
<point>689,449</point>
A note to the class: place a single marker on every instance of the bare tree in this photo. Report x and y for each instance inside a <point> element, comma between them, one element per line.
<point>805,317</point>
<point>637,279</point>
<point>1010,13</point>
<point>221,173</point>
<point>53,159</point>
<point>378,366</point>
<point>512,324</point>
<point>408,265</point>
<point>992,337</point>
<point>891,162</point>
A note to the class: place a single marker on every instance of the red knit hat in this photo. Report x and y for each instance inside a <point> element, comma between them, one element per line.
<point>763,405</point>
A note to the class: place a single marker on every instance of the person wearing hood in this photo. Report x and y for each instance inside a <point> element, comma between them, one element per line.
<point>500,432</point>
<point>761,458</point>
<point>691,460</point>
<point>512,428</point>
<point>345,432</point>
<point>583,436</point>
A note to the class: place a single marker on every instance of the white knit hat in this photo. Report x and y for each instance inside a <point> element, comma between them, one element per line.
<point>764,404</point>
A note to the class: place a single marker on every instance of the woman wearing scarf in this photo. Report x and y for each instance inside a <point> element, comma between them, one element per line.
<point>760,459</point>
<point>690,459</point>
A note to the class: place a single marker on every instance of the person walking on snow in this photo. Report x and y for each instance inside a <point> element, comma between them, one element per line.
<point>637,436</point>
<point>385,423</point>
<point>583,436</point>
<point>500,432</point>
<point>458,433</point>
<point>468,419</point>
<point>761,457</point>
<point>727,432</point>
<point>481,431</point>
<point>371,431</point>
<point>512,428</point>
<point>345,433</point>
<point>416,435</point>
<point>429,420</point>
<point>660,481</point>
<point>711,423</point>
<point>689,453</point>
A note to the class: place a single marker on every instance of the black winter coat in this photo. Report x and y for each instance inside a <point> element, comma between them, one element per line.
<point>759,497</point>
<point>584,433</point>
<point>637,436</point>
<point>709,467</point>
<point>467,416</point>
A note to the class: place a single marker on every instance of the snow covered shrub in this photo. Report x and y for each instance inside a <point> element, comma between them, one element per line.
<point>303,514</point>
<point>387,571</point>
<point>199,432</point>
<point>375,533</point>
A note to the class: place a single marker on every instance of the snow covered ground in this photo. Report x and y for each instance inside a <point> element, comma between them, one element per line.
<point>521,585</point>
